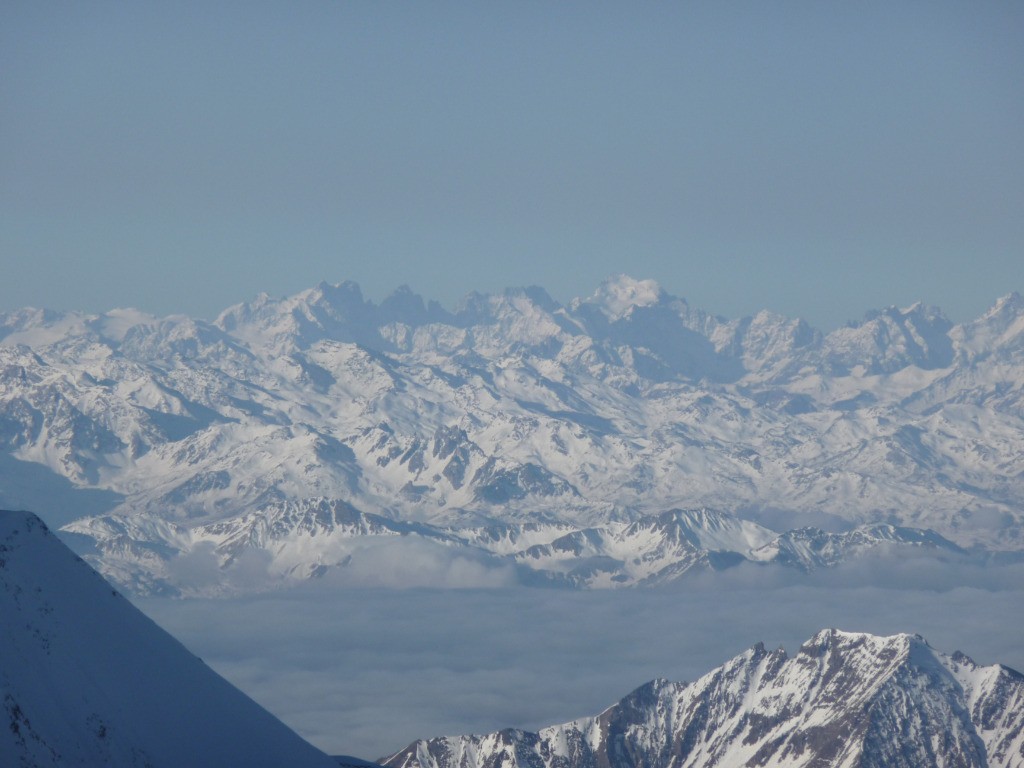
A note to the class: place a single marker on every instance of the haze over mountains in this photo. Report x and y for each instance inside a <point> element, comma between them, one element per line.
<point>622,439</point>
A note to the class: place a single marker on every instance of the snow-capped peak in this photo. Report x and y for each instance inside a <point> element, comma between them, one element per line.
<point>844,700</point>
<point>618,295</point>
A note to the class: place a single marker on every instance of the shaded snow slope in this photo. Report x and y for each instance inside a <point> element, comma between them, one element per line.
<point>86,679</point>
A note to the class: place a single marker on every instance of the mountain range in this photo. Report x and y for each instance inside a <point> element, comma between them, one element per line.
<point>843,700</point>
<point>621,439</point>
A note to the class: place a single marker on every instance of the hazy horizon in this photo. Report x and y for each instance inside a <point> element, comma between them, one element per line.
<point>815,161</point>
<point>453,307</point>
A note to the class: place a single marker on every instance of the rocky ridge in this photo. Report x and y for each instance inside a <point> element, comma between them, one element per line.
<point>843,700</point>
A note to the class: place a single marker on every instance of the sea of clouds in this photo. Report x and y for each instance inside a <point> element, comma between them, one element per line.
<point>359,666</point>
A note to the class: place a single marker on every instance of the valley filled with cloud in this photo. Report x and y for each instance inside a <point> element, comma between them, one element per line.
<point>368,670</point>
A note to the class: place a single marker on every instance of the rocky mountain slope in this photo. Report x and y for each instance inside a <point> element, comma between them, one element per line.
<point>86,679</point>
<point>572,420</point>
<point>844,699</point>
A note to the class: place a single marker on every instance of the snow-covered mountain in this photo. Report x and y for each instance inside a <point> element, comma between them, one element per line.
<point>293,541</point>
<point>844,699</point>
<point>575,420</point>
<point>86,679</point>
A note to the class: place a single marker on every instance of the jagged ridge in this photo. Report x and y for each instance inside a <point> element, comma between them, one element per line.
<point>845,699</point>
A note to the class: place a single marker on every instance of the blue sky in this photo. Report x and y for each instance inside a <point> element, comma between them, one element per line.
<point>816,159</point>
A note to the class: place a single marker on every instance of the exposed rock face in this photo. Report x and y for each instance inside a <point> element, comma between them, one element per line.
<point>843,699</point>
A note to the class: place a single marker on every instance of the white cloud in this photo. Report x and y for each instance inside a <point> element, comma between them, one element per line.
<point>365,671</point>
<point>199,569</point>
<point>414,562</point>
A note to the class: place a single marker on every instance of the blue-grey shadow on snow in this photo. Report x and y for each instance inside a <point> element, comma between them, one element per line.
<point>37,488</point>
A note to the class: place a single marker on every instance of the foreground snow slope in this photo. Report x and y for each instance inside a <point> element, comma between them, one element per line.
<point>86,679</point>
<point>843,700</point>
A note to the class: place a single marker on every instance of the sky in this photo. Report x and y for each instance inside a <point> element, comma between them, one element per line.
<point>819,160</point>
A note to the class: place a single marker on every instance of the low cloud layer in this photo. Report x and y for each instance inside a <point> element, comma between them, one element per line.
<point>367,561</point>
<point>365,671</point>
<point>414,562</point>
<point>400,562</point>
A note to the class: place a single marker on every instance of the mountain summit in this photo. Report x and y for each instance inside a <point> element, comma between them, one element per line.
<point>843,700</point>
<point>618,296</point>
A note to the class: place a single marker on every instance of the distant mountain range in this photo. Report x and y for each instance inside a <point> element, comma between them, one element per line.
<point>621,439</point>
<point>843,700</point>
